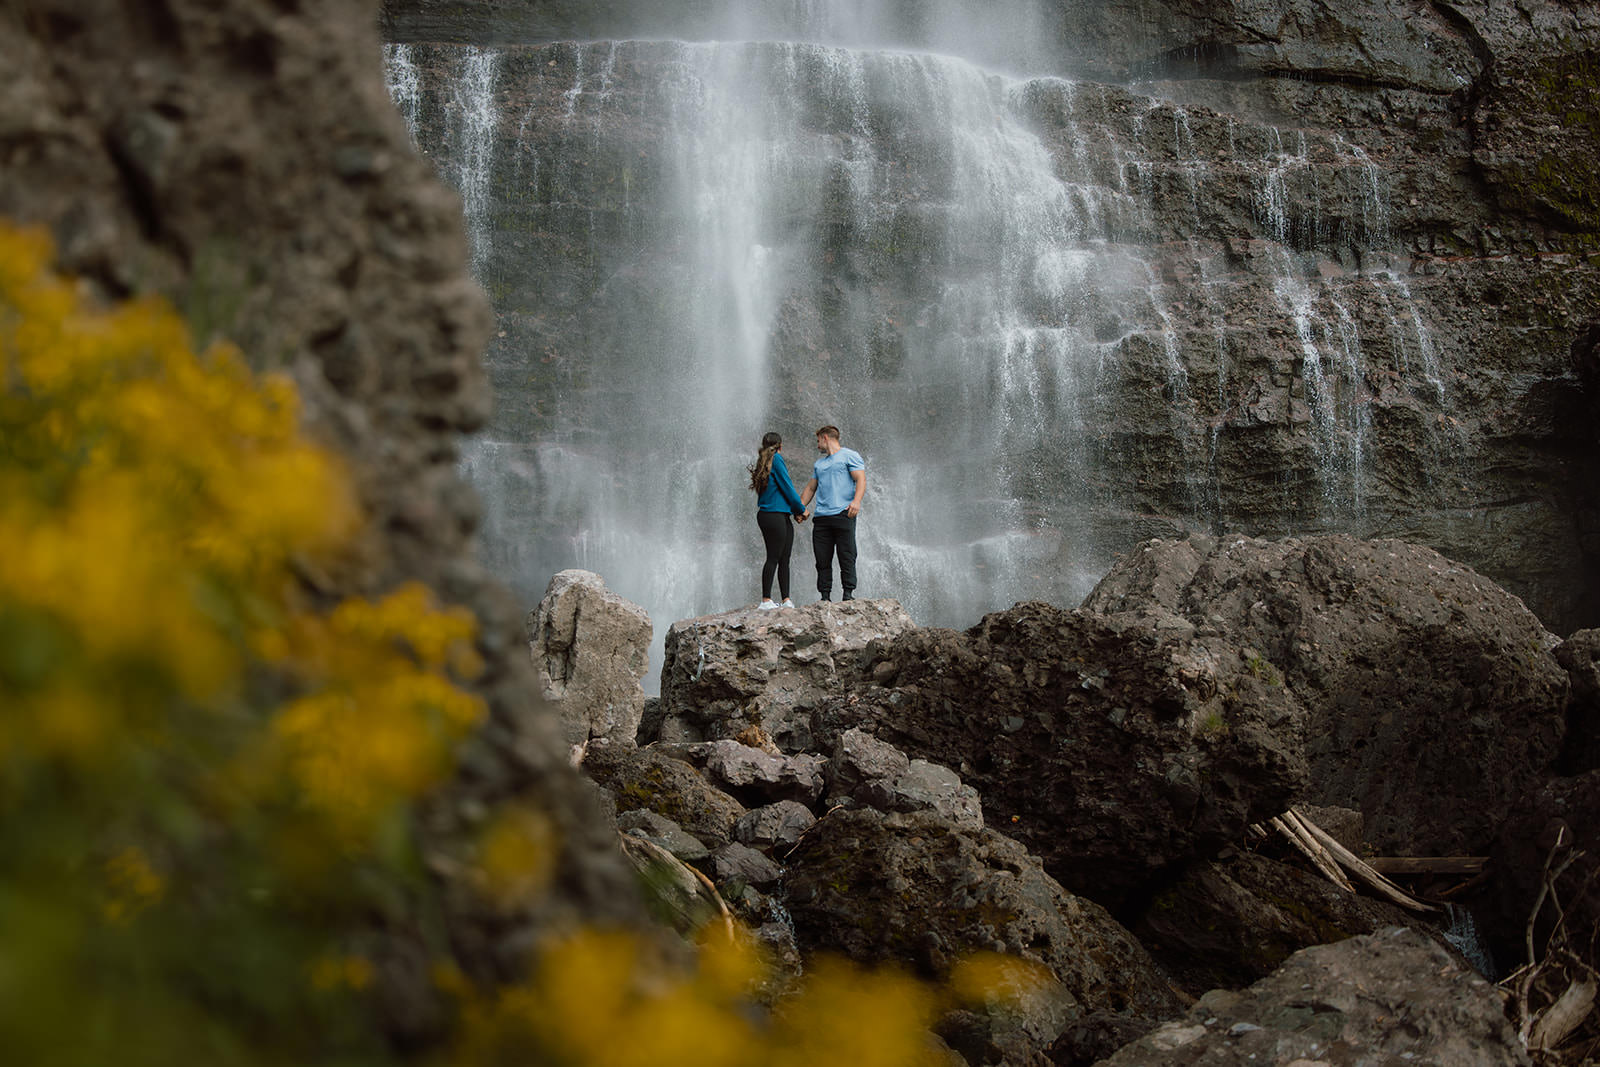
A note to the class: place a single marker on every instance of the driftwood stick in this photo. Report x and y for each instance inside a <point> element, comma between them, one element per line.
<point>1318,857</point>
<point>1391,865</point>
<point>1354,864</point>
<point>1564,1016</point>
<point>1328,862</point>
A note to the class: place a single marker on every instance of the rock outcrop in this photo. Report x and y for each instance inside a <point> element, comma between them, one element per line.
<point>916,887</point>
<point>643,778</point>
<point>1388,997</point>
<point>1432,696</point>
<point>722,674</point>
<point>1316,265</point>
<point>1117,752</point>
<point>1228,922</point>
<point>591,648</point>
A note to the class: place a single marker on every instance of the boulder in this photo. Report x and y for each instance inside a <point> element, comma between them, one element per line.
<point>1389,997</point>
<point>1232,921</point>
<point>867,771</point>
<point>1579,655</point>
<point>1433,698</point>
<point>723,673</point>
<point>743,865</point>
<point>925,786</point>
<point>1117,752</point>
<point>774,826</point>
<point>591,648</point>
<point>660,830</point>
<point>644,778</point>
<point>915,887</point>
<point>755,775</point>
<point>858,758</point>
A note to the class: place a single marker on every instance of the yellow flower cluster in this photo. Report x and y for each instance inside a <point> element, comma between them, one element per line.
<point>379,719</point>
<point>151,501</point>
<point>599,1000</point>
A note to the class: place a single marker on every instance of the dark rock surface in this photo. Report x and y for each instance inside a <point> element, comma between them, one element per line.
<point>1434,701</point>
<point>754,775</point>
<point>724,673</point>
<point>660,830</point>
<point>1229,922</point>
<point>1580,656</point>
<point>915,887</point>
<point>1117,752</point>
<point>741,864</point>
<point>775,826</point>
<point>645,778</point>
<point>1389,997</point>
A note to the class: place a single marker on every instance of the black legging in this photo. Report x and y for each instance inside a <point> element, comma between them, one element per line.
<point>777,530</point>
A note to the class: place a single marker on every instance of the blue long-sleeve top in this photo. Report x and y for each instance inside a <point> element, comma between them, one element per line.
<point>779,495</point>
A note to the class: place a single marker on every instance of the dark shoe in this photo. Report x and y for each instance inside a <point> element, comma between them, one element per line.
<point>849,596</point>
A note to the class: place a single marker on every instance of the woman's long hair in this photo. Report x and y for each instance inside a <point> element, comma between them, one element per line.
<point>762,470</point>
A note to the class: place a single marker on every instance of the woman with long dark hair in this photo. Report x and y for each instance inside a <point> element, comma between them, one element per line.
<point>776,501</point>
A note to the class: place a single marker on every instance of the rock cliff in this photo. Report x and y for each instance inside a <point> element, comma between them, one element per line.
<point>1258,267</point>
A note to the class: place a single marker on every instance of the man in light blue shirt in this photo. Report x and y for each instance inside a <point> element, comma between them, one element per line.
<point>838,483</point>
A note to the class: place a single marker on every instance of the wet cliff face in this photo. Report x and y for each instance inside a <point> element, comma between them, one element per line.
<point>1069,276</point>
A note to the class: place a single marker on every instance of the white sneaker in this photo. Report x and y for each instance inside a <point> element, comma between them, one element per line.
<point>787,602</point>
<point>766,605</point>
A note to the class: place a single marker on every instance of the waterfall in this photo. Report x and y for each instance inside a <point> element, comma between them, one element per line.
<point>970,269</point>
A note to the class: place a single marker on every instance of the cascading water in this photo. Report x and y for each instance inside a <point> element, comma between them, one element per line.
<point>691,243</point>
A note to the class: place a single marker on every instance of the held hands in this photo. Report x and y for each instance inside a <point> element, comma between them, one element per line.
<point>800,518</point>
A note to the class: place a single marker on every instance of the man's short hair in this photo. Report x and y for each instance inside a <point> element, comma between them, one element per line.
<point>829,431</point>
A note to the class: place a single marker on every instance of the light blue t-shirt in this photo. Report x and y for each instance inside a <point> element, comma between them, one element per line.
<point>835,487</point>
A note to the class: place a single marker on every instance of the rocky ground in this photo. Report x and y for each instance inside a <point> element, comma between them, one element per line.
<point>1076,789</point>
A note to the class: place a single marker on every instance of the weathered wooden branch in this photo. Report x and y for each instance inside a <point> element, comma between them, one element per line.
<point>1356,866</point>
<point>1388,865</point>
<point>1288,826</point>
<point>1564,1016</point>
<point>632,845</point>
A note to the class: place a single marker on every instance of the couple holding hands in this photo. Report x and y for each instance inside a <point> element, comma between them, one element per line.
<point>838,482</point>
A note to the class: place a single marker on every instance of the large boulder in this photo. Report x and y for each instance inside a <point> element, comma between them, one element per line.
<point>1117,752</point>
<point>915,887</point>
<point>721,674</point>
<point>1389,997</point>
<point>1234,920</point>
<point>1433,698</point>
<point>591,649</point>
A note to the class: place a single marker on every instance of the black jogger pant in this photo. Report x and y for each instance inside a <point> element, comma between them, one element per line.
<point>830,533</point>
<point>777,530</point>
